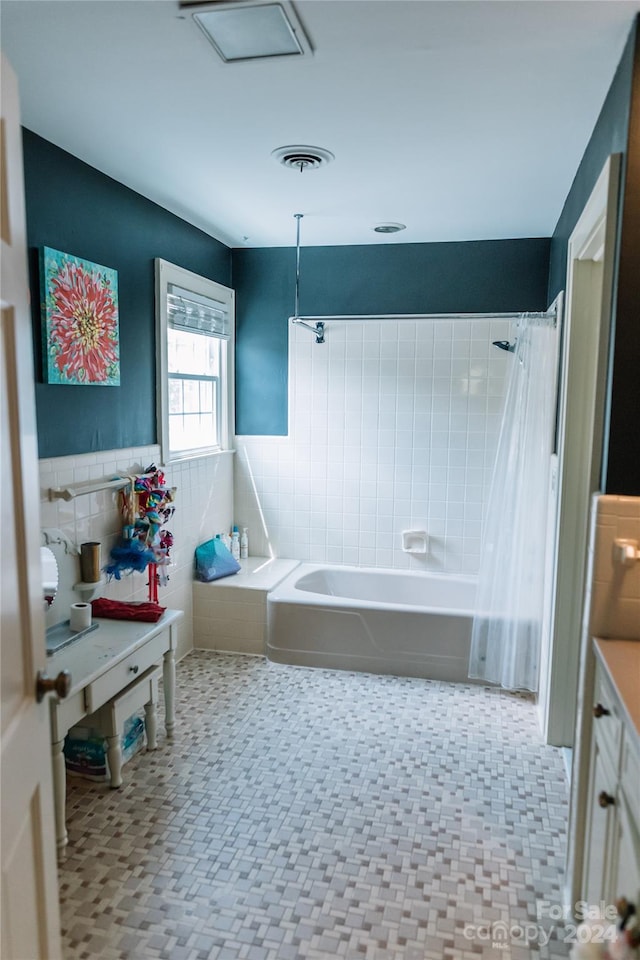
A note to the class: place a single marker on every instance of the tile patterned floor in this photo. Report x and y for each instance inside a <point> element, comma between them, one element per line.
<point>316,814</point>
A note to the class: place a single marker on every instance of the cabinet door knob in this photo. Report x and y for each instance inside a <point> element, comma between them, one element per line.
<point>61,685</point>
<point>600,711</point>
<point>605,799</point>
<point>134,669</point>
<point>625,909</point>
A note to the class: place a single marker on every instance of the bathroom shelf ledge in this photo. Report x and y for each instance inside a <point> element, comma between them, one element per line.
<point>87,589</point>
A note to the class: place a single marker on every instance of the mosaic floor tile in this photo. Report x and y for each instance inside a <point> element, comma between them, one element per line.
<point>305,814</point>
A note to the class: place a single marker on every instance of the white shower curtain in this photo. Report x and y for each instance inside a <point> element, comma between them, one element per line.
<point>507,626</point>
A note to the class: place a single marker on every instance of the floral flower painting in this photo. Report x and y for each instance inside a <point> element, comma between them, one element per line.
<point>80,321</point>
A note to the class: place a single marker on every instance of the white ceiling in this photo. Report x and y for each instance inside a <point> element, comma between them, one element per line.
<point>463,120</point>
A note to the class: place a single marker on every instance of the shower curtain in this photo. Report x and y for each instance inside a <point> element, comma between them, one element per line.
<point>507,626</point>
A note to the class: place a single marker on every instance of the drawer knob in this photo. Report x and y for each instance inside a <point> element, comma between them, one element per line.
<point>134,669</point>
<point>600,711</point>
<point>60,685</point>
<point>605,799</point>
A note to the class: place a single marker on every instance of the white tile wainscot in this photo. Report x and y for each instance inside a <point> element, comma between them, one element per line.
<point>230,615</point>
<point>204,503</point>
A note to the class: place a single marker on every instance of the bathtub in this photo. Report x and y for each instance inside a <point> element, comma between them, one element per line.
<point>376,621</point>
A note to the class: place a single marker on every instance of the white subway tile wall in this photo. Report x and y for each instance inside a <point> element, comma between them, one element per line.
<point>393,425</point>
<point>204,506</point>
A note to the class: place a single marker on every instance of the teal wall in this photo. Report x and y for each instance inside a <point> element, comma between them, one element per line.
<point>617,131</point>
<point>482,276</point>
<point>74,208</point>
<point>622,465</point>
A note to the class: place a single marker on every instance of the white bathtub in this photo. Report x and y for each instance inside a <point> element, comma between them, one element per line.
<point>378,621</point>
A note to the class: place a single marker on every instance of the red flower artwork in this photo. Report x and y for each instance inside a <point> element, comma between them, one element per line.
<point>83,342</point>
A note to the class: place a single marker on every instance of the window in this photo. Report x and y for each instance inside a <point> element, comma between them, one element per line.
<point>195,324</point>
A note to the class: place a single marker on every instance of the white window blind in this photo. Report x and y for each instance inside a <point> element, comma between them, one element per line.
<point>192,311</point>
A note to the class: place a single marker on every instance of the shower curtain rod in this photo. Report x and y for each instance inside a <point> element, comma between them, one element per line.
<point>319,322</point>
<point>544,315</point>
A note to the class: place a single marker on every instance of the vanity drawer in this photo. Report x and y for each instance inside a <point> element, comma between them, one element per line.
<point>122,674</point>
<point>607,723</point>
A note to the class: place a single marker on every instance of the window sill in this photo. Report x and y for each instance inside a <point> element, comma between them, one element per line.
<point>189,457</point>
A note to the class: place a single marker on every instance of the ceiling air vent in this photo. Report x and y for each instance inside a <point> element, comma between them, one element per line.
<point>390,227</point>
<point>251,29</point>
<point>303,158</point>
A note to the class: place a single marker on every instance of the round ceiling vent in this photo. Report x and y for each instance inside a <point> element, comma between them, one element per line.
<point>390,227</point>
<point>303,158</point>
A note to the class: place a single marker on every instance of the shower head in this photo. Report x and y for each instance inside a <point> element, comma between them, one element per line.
<point>505,345</point>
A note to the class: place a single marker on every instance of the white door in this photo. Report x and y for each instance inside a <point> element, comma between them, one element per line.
<point>590,269</point>
<point>30,913</point>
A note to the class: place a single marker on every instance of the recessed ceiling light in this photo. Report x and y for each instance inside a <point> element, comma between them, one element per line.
<point>390,227</point>
<point>253,30</point>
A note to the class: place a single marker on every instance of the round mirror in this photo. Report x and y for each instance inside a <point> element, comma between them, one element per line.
<point>49,576</point>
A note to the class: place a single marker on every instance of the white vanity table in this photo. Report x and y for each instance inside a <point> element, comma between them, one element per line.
<point>114,669</point>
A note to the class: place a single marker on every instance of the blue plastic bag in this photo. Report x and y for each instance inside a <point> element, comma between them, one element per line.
<point>213,561</point>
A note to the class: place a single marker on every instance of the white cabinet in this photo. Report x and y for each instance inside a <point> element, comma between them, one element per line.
<point>600,830</point>
<point>625,847</point>
<point>612,835</point>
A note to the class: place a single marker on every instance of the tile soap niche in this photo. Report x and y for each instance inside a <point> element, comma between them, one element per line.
<point>415,541</point>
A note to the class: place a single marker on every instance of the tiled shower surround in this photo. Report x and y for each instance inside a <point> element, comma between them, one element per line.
<point>393,425</point>
<point>204,505</point>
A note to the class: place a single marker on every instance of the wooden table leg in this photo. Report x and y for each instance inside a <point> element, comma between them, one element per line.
<point>114,753</point>
<point>150,723</point>
<point>59,795</point>
<point>169,684</point>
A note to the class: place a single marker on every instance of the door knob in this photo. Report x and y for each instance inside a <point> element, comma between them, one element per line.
<point>61,685</point>
<point>600,711</point>
<point>605,799</point>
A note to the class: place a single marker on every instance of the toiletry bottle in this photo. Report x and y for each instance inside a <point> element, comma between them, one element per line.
<point>235,544</point>
<point>226,539</point>
<point>244,544</point>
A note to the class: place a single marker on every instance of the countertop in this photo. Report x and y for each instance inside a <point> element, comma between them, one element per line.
<point>87,657</point>
<point>621,660</point>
